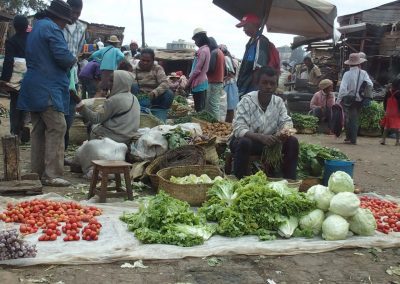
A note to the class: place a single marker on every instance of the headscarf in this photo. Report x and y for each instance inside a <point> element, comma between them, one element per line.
<point>123,81</point>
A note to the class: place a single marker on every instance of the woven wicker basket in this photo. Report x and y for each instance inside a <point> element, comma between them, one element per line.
<point>176,157</point>
<point>78,132</point>
<point>148,120</point>
<point>309,182</point>
<point>194,194</point>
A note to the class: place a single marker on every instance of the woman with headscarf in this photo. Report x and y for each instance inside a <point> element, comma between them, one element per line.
<point>322,102</point>
<point>120,117</point>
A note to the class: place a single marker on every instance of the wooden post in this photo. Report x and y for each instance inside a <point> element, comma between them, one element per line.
<point>11,157</point>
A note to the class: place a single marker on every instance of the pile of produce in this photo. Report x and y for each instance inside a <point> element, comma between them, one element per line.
<point>178,107</point>
<point>303,121</point>
<point>48,215</point>
<point>254,206</point>
<point>193,179</point>
<point>206,116</point>
<point>312,159</point>
<point>165,220</point>
<point>13,247</point>
<point>219,129</point>
<point>338,211</point>
<point>371,116</point>
<point>177,138</point>
<point>386,213</point>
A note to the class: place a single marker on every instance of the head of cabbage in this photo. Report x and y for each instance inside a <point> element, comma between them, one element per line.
<point>335,228</point>
<point>340,182</point>
<point>321,195</point>
<point>312,221</point>
<point>344,204</point>
<point>363,223</point>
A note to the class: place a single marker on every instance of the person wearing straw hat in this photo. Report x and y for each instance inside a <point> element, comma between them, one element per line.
<point>45,91</point>
<point>322,102</point>
<point>109,58</point>
<point>349,95</point>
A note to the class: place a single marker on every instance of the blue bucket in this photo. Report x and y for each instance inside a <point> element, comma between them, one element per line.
<point>332,166</point>
<point>160,113</point>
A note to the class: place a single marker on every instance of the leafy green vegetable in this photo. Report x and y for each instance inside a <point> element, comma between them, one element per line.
<point>252,207</point>
<point>206,116</point>
<point>177,138</point>
<point>287,228</point>
<point>340,181</point>
<point>312,159</point>
<point>303,121</point>
<point>166,220</point>
<point>184,119</point>
<point>193,179</point>
<point>312,222</point>
<point>344,204</point>
<point>181,100</point>
<point>272,155</point>
<point>371,116</point>
<point>363,223</point>
<point>335,228</point>
<point>321,195</point>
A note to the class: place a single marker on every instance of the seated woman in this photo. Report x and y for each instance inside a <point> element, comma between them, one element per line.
<point>150,79</point>
<point>120,117</point>
<point>260,116</point>
<point>322,102</point>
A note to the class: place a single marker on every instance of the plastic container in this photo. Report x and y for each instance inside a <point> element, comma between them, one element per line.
<point>332,166</point>
<point>160,113</point>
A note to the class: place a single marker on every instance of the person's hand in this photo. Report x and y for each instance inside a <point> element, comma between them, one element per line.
<point>268,140</point>
<point>79,106</point>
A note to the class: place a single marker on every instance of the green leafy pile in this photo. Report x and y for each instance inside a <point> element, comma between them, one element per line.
<point>303,121</point>
<point>312,159</point>
<point>165,220</point>
<point>371,116</point>
<point>252,206</point>
<point>206,116</point>
<point>177,138</point>
<point>181,100</point>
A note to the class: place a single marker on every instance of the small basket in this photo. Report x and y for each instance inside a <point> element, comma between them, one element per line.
<point>309,182</point>
<point>148,120</point>
<point>176,157</point>
<point>194,194</point>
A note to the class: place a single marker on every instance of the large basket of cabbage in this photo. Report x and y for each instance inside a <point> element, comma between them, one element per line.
<point>197,180</point>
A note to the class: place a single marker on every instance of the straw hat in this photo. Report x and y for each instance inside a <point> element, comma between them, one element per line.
<point>355,59</point>
<point>61,10</point>
<point>325,84</point>
<point>198,31</point>
<point>114,39</point>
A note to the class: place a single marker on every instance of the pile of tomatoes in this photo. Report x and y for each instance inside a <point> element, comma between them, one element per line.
<point>48,215</point>
<point>386,213</point>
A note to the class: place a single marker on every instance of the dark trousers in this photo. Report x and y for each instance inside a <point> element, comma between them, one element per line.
<point>17,117</point>
<point>89,88</point>
<point>324,115</point>
<point>69,119</point>
<point>351,116</point>
<point>243,148</point>
<point>199,100</point>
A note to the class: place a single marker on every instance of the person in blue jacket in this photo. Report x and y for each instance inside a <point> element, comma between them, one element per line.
<point>45,92</point>
<point>109,58</point>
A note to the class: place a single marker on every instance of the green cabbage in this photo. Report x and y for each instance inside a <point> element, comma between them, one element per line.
<point>281,187</point>
<point>312,221</point>
<point>335,228</point>
<point>363,223</point>
<point>193,179</point>
<point>345,204</point>
<point>287,228</point>
<point>340,182</point>
<point>321,195</point>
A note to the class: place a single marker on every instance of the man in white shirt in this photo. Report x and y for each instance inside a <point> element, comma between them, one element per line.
<point>259,119</point>
<point>350,88</point>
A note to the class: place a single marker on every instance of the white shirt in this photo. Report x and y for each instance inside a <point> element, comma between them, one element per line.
<point>349,82</point>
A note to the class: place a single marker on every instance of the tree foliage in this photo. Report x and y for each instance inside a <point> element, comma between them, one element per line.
<point>22,6</point>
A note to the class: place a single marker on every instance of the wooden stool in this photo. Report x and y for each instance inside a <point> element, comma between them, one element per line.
<point>105,168</point>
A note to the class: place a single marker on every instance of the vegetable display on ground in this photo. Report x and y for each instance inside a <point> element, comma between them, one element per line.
<point>12,246</point>
<point>303,121</point>
<point>371,116</point>
<point>193,179</point>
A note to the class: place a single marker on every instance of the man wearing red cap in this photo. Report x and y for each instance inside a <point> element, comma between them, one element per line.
<point>259,52</point>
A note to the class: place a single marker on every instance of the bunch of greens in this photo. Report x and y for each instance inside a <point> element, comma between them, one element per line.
<point>183,119</point>
<point>206,116</point>
<point>181,100</point>
<point>165,220</point>
<point>371,116</point>
<point>177,138</point>
<point>272,155</point>
<point>302,121</point>
<point>252,206</point>
<point>312,159</point>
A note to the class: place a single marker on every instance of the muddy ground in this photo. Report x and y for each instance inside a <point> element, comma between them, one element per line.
<point>376,170</point>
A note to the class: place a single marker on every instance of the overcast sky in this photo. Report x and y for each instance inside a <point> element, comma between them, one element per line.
<point>170,20</point>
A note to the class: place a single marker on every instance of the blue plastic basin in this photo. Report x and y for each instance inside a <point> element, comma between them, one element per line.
<point>332,166</point>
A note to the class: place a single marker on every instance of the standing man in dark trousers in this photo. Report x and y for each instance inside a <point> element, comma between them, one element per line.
<point>75,36</point>
<point>15,48</point>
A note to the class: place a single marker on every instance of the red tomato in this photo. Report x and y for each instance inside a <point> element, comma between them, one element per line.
<point>93,235</point>
<point>76,238</point>
<point>53,237</point>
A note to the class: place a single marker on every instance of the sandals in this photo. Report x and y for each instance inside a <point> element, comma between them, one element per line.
<point>56,182</point>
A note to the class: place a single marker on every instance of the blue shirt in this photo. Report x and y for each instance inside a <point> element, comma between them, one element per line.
<point>109,57</point>
<point>48,61</point>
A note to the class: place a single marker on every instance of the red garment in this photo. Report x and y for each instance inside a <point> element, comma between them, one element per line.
<point>218,75</point>
<point>391,120</point>
<point>274,59</point>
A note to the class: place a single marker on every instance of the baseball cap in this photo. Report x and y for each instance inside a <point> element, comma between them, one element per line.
<point>249,19</point>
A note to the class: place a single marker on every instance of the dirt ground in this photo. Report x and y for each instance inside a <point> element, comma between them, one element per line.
<point>375,171</point>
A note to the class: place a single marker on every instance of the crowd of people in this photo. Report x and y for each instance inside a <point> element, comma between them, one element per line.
<point>50,90</point>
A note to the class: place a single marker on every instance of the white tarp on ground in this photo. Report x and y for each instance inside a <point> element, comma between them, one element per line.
<point>117,244</point>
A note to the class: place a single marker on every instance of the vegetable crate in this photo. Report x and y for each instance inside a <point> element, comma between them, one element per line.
<point>194,194</point>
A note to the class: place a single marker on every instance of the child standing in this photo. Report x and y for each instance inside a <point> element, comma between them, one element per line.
<point>391,103</point>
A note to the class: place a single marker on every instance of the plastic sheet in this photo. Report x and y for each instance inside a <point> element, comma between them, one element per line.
<point>117,244</point>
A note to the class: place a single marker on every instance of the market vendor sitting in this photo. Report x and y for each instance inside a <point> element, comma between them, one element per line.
<point>259,120</point>
<point>322,102</point>
<point>177,83</point>
<point>120,116</point>
<point>150,79</point>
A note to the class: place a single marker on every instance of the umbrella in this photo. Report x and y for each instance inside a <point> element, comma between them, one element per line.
<point>309,18</point>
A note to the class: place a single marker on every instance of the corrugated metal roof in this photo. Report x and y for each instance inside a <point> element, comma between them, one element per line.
<point>390,13</point>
